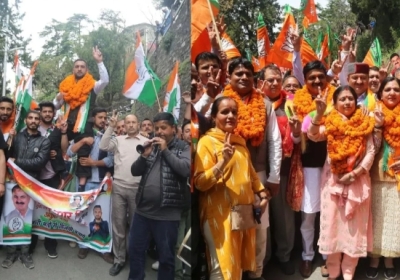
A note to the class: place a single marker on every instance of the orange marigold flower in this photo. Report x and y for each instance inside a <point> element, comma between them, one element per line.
<point>252,116</point>
<point>346,138</point>
<point>76,93</point>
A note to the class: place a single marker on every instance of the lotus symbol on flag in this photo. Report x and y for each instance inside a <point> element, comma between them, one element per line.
<point>288,45</point>
<point>261,47</point>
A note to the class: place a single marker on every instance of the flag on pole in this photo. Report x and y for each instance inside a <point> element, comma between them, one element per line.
<point>229,47</point>
<point>201,16</point>
<point>25,100</point>
<point>309,11</point>
<point>141,83</point>
<point>172,102</point>
<point>374,55</point>
<point>263,43</point>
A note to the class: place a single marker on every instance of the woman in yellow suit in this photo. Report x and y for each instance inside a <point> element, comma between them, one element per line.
<point>225,177</point>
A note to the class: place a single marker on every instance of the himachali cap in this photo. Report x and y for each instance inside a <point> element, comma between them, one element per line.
<point>358,68</point>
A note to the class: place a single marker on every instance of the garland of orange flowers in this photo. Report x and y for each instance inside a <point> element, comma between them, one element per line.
<point>251,117</point>
<point>304,103</point>
<point>391,134</point>
<point>76,93</point>
<point>346,138</point>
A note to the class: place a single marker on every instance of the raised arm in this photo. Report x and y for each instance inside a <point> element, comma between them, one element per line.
<point>104,79</point>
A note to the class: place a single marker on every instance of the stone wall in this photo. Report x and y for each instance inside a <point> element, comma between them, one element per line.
<point>173,46</point>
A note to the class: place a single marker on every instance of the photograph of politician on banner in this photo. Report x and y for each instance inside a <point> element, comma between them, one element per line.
<point>91,227</point>
<point>16,219</point>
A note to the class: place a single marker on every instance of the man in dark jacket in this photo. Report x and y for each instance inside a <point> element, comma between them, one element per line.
<point>31,152</point>
<point>55,167</point>
<point>162,195</point>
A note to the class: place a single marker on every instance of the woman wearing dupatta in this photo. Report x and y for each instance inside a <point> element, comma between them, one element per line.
<point>345,226</point>
<point>385,191</point>
<point>225,177</point>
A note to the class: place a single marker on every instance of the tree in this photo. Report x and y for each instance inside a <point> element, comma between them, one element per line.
<point>241,20</point>
<point>14,37</point>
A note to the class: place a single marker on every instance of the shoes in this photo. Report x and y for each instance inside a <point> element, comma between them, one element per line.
<point>83,252</point>
<point>27,260</point>
<point>372,272</point>
<point>52,254</point>
<point>390,273</point>
<point>10,259</point>
<point>72,244</point>
<point>116,269</point>
<point>305,268</point>
<point>287,268</point>
<point>324,271</point>
<point>108,257</point>
<point>155,265</point>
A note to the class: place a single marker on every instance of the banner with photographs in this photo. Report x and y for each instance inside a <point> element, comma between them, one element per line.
<point>83,217</point>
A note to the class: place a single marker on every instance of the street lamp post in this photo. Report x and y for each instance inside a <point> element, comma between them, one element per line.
<point>6,50</point>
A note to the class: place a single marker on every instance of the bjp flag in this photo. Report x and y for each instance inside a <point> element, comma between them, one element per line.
<point>201,16</point>
<point>229,47</point>
<point>309,12</point>
<point>281,53</point>
<point>263,43</point>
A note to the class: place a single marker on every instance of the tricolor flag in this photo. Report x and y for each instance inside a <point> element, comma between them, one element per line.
<point>141,83</point>
<point>374,55</point>
<point>24,101</point>
<point>172,102</point>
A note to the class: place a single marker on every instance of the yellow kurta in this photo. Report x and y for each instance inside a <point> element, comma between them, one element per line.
<point>236,250</point>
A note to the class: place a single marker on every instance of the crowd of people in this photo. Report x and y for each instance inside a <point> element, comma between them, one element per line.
<point>311,140</point>
<point>150,194</point>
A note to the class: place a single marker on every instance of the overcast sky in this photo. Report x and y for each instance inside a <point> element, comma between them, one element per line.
<point>296,3</point>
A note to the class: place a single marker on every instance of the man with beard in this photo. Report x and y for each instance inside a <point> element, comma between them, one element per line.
<point>30,151</point>
<point>125,186</point>
<point>77,99</point>
<point>51,173</point>
<point>99,228</point>
<point>147,127</point>
<point>6,112</point>
<point>100,162</point>
<point>164,167</point>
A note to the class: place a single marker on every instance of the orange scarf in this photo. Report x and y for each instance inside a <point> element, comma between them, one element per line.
<point>76,93</point>
<point>252,116</point>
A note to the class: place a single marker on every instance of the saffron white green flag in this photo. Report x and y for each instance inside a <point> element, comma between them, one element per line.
<point>24,100</point>
<point>141,83</point>
<point>172,102</point>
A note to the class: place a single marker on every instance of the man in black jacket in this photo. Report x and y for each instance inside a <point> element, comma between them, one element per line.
<point>162,195</point>
<point>31,152</point>
<point>50,175</point>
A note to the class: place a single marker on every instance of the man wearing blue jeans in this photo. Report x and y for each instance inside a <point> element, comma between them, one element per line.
<point>164,167</point>
<point>101,164</point>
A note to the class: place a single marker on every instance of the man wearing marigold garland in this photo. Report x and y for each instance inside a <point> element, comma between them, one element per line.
<point>77,99</point>
<point>304,192</point>
<point>258,126</point>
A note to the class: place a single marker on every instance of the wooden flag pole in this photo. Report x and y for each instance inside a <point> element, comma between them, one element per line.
<point>155,91</point>
<point>214,24</point>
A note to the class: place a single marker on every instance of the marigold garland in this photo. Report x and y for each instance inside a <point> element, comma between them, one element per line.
<point>304,103</point>
<point>251,117</point>
<point>391,134</point>
<point>346,139</point>
<point>76,93</point>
